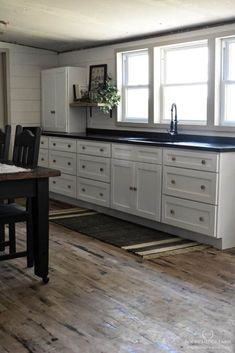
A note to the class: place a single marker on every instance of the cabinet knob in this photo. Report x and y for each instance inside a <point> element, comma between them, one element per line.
<point>54,182</point>
<point>69,163</point>
<point>203,187</point>
<point>69,146</point>
<point>83,147</point>
<point>54,160</point>
<point>131,188</point>
<point>173,159</point>
<point>42,142</point>
<point>201,219</point>
<point>54,144</point>
<point>101,195</point>
<point>101,150</point>
<point>173,182</point>
<point>69,186</point>
<point>203,161</point>
<point>101,169</point>
<point>83,166</point>
<point>52,111</point>
<point>42,159</point>
<point>135,188</point>
<point>172,212</point>
<point>83,189</point>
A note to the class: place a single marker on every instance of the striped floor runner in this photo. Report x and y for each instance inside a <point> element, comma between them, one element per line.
<point>142,241</point>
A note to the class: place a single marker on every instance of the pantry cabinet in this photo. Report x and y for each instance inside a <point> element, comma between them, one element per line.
<point>57,94</point>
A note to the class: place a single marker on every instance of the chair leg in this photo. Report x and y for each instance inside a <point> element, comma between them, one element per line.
<point>2,237</point>
<point>29,232</point>
<point>12,238</point>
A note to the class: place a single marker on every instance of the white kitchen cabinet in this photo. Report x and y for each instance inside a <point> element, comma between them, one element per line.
<point>57,94</point>
<point>136,188</point>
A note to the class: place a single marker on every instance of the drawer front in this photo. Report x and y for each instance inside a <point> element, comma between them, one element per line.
<point>191,184</point>
<point>64,184</point>
<point>93,191</point>
<point>64,161</point>
<point>62,144</point>
<point>97,168</point>
<point>191,159</point>
<point>137,153</point>
<point>194,216</point>
<point>94,148</point>
<point>43,158</point>
<point>44,142</point>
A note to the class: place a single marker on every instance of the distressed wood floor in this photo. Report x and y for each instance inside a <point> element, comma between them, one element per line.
<point>101,299</point>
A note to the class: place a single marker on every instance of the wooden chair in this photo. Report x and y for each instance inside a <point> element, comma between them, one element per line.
<point>25,154</point>
<point>5,138</point>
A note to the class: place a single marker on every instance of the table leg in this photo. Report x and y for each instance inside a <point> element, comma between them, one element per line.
<point>40,209</point>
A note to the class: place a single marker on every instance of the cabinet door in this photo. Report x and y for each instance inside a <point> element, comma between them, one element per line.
<point>122,183</point>
<point>61,102</point>
<point>148,190</point>
<point>48,100</point>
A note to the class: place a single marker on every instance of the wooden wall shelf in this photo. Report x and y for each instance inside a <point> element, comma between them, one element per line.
<point>88,105</point>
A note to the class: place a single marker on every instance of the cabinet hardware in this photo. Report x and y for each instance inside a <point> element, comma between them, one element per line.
<point>173,182</point>
<point>54,161</point>
<point>203,187</point>
<point>135,188</point>
<point>101,195</point>
<point>42,142</point>
<point>52,111</point>
<point>69,163</point>
<point>172,212</point>
<point>203,161</point>
<point>69,186</point>
<point>201,219</point>
<point>83,190</point>
<point>69,146</point>
<point>42,159</point>
<point>101,169</point>
<point>83,166</point>
<point>54,144</point>
<point>54,182</point>
<point>83,147</point>
<point>173,159</point>
<point>101,150</point>
<point>131,188</point>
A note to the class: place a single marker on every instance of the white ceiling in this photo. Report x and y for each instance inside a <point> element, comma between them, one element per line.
<point>64,25</point>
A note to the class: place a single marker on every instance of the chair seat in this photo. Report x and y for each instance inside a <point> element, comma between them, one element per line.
<point>12,212</point>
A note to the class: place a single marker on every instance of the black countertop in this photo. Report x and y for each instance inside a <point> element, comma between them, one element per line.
<point>195,142</point>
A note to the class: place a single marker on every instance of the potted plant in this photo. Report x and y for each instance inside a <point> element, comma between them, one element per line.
<point>108,95</point>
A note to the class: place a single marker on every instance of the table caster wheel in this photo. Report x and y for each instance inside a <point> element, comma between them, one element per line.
<point>45,280</point>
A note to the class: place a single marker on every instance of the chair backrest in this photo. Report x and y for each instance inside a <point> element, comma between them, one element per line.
<point>5,138</point>
<point>26,147</point>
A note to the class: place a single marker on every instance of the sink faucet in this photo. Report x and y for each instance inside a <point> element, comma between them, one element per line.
<point>174,122</point>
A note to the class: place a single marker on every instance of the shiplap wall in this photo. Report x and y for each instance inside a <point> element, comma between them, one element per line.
<point>25,65</point>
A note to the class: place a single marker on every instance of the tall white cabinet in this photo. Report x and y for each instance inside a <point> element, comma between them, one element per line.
<point>57,94</point>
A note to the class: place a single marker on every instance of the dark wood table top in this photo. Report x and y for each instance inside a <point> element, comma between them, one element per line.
<point>39,172</point>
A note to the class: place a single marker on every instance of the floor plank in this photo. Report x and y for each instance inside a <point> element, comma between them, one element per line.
<point>101,299</point>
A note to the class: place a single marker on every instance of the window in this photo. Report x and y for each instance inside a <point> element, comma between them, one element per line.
<point>135,86</point>
<point>184,75</point>
<point>228,82</point>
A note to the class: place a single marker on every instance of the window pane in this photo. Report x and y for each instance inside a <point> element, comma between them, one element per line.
<point>231,62</point>
<point>137,104</point>
<point>229,108</point>
<point>138,69</point>
<point>191,102</point>
<point>186,65</point>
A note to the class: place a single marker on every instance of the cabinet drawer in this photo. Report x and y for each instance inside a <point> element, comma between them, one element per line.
<point>44,142</point>
<point>137,153</point>
<point>64,161</point>
<point>190,184</point>
<point>194,216</point>
<point>65,184</point>
<point>191,159</point>
<point>97,168</point>
<point>43,159</point>
<point>93,191</point>
<point>94,148</point>
<point>62,144</point>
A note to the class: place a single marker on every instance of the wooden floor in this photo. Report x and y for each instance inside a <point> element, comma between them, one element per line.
<point>100,299</point>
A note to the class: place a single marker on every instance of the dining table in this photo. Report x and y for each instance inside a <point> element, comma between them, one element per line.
<point>33,184</point>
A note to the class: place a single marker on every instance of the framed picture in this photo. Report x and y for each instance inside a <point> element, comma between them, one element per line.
<point>98,75</point>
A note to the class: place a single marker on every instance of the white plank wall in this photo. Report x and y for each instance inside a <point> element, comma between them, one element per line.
<point>25,65</point>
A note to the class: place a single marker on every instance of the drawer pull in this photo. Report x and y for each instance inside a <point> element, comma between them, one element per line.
<point>172,212</point>
<point>101,169</point>
<point>54,182</point>
<point>101,150</point>
<point>69,146</point>
<point>173,159</point>
<point>83,166</point>
<point>83,189</point>
<point>173,182</point>
<point>131,188</point>
<point>54,160</point>
<point>69,163</point>
<point>69,186</point>
<point>42,159</point>
<point>203,161</point>
<point>201,219</point>
<point>203,187</point>
<point>135,188</point>
<point>42,142</point>
<point>52,111</point>
<point>54,144</point>
<point>83,147</point>
<point>101,195</point>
